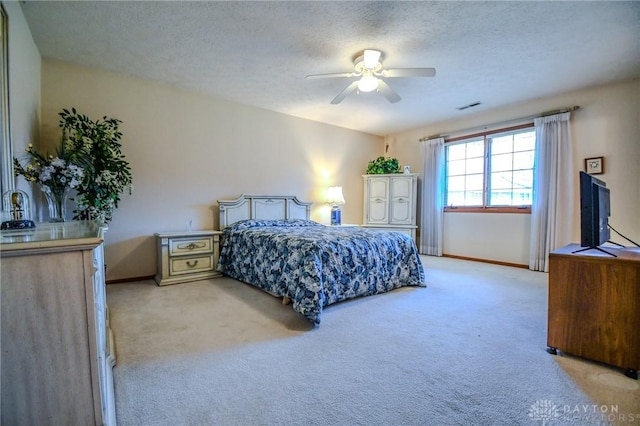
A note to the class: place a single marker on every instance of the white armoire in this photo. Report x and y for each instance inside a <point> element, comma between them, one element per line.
<point>390,202</point>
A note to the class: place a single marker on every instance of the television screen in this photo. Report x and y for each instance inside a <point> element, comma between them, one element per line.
<point>594,211</point>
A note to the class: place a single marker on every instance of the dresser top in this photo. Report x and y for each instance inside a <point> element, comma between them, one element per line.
<point>628,254</point>
<point>52,235</point>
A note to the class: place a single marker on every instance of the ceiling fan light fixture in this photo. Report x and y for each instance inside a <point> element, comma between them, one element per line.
<point>368,75</point>
<point>371,58</point>
<point>367,83</point>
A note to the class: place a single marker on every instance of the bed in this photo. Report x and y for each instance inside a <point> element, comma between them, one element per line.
<point>269,242</point>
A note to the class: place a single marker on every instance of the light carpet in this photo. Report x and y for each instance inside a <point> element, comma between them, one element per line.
<point>468,349</point>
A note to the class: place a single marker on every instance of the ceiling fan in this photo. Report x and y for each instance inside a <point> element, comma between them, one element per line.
<point>368,67</point>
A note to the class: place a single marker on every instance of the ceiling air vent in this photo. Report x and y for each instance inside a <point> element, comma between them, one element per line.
<point>462,108</point>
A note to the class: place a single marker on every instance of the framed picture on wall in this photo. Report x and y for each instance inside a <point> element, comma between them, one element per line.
<point>594,166</point>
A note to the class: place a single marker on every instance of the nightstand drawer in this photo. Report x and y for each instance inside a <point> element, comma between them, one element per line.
<point>179,246</point>
<point>190,265</point>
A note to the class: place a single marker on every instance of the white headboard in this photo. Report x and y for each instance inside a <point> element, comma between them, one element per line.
<point>268,207</point>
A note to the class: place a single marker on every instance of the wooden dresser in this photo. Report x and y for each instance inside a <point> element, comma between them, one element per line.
<point>57,347</point>
<point>594,305</point>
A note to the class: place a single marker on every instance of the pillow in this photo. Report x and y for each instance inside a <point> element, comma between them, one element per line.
<point>253,223</point>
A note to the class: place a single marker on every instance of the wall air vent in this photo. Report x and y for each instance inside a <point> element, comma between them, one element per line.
<point>468,106</point>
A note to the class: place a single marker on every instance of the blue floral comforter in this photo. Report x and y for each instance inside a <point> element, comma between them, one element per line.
<point>316,265</point>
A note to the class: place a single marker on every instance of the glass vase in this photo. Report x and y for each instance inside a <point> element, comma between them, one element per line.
<point>57,201</point>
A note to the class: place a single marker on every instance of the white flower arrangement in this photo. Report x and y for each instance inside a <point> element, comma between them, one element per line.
<point>56,173</point>
<point>89,160</point>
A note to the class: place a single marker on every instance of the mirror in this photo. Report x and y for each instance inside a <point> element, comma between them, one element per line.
<point>6,177</point>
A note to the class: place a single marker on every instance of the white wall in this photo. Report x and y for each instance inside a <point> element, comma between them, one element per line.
<point>607,124</point>
<point>496,237</point>
<point>188,150</point>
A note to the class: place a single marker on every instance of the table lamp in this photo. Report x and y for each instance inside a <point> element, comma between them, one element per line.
<point>335,198</point>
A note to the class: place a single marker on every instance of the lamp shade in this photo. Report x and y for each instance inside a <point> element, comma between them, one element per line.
<point>334,195</point>
<point>367,83</point>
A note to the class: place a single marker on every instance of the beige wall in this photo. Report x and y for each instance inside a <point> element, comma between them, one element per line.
<point>188,150</point>
<point>24,84</point>
<point>607,124</point>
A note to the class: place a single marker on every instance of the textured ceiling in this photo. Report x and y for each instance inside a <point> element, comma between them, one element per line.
<point>258,53</point>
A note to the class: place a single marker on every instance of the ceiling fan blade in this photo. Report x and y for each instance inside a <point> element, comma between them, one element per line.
<point>371,58</point>
<point>339,74</point>
<point>409,72</point>
<point>388,92</point>
<point>347,91</point>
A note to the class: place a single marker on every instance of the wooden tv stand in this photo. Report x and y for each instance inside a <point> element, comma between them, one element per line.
<point>594,305</point>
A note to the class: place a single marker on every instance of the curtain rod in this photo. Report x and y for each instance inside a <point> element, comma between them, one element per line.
<point>504,123</point>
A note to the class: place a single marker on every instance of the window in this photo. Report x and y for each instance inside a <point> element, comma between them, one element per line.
<point>491,171</point>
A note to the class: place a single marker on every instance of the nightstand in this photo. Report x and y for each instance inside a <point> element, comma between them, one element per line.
<point>187,256</point>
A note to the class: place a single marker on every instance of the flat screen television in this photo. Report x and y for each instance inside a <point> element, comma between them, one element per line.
<point>594,211</point>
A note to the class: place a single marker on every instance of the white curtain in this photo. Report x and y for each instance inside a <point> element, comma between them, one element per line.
<point>432,215</point>
<point>552,205</point>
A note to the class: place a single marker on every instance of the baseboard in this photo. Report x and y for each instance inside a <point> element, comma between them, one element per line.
<point>495,262</point>
<point>129,280</point>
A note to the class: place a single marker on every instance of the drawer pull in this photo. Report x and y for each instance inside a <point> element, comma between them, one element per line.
<point>191,246</point>
<point>190,265</point>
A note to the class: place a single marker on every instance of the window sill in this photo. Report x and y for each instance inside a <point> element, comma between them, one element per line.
<point>507,209</point>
